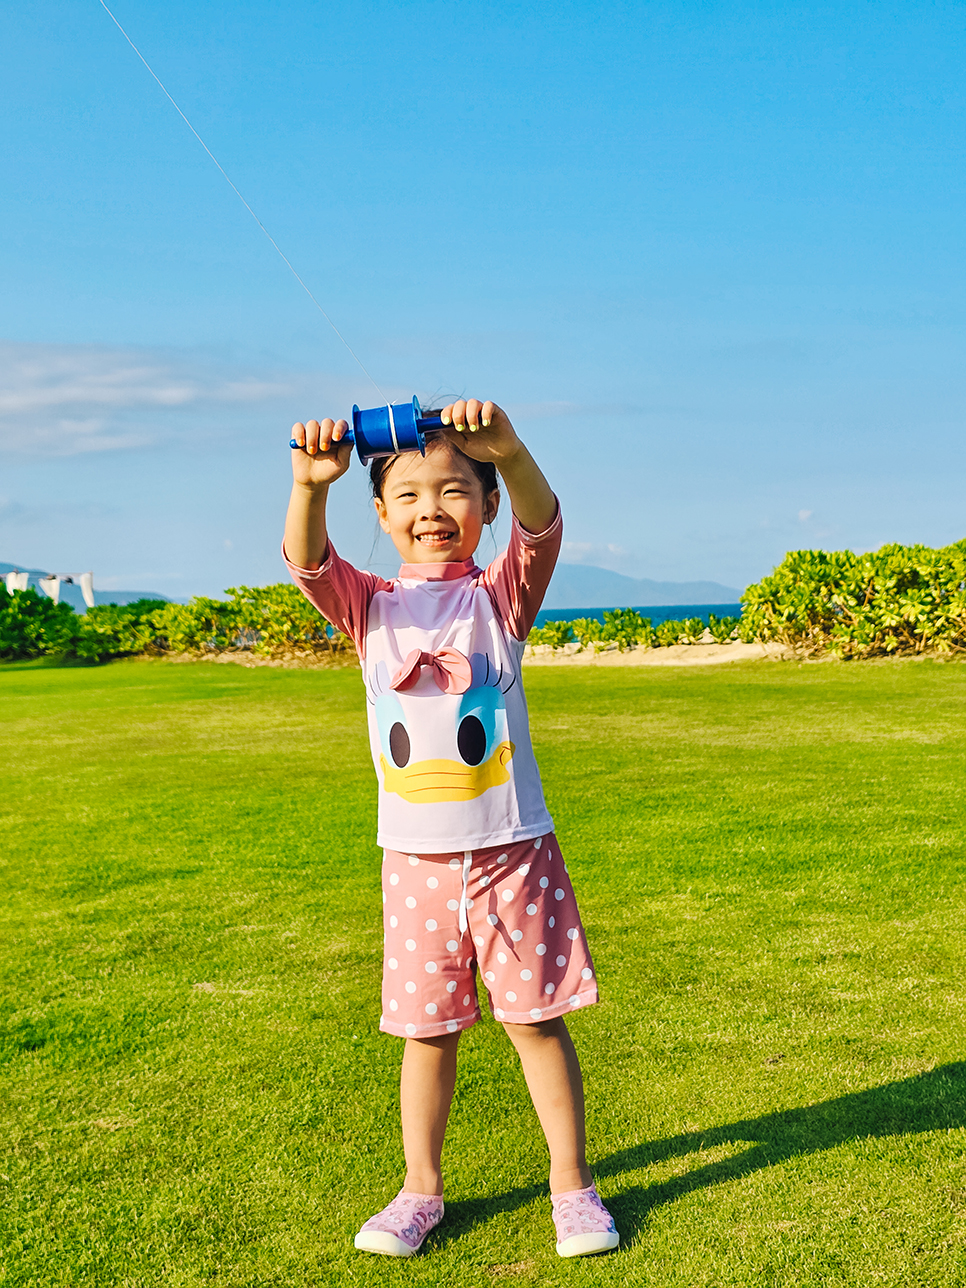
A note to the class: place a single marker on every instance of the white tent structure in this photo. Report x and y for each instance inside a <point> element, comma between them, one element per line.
<point>51,584</point>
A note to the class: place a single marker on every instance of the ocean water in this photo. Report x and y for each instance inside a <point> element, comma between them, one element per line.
<point>657,613</point>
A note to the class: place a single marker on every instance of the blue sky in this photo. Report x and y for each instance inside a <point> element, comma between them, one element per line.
<point>709,255</point>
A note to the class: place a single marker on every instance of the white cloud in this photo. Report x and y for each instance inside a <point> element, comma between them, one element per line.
<point>68,399</point>
<point>804,515</point>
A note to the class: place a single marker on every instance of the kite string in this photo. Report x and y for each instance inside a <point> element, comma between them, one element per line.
<point>284,257</point>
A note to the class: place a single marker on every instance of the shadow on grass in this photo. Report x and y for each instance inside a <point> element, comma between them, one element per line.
<point>933,1101</point>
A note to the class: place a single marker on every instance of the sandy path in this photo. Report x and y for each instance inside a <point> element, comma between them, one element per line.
<point>675,655</point>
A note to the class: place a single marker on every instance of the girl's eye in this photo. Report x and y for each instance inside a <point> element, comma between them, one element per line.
<point>399,745</point>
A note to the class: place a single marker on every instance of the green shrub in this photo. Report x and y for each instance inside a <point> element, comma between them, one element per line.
<point>113,630</point>
<point>723,629</point>
<point>279,619</point>
<point>202,624</point>
<point>627,628</point>
<point>32,625</point>
<point>669,632</point>
<point>556,634</point>
<point>900,599</point>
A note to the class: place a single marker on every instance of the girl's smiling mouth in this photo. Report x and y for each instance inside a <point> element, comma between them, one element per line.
<point>434,538</point>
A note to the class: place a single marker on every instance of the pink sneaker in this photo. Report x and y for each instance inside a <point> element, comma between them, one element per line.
<point>399,1229</point>
<point>583,1224</point>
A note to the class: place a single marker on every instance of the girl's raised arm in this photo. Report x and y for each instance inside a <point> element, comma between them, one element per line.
<point>320,458</point>
<point>483,430</point>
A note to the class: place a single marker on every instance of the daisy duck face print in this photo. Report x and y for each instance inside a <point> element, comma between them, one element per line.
<point>461,750</point>
<point>434,507</point>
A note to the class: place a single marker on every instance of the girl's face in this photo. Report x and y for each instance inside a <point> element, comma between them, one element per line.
<point>433,506</point>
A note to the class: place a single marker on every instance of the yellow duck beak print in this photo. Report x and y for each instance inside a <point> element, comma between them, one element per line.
<point>429,781</point>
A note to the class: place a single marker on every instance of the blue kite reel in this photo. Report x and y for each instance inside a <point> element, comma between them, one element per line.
<point>389,430</point>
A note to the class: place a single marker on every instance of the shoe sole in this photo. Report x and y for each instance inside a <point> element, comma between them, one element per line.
<point>384,1242</point>
<point>588,1245</point>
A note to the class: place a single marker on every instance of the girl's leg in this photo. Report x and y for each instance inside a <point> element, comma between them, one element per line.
<point>425,1094</point>
<point>552,1071</point>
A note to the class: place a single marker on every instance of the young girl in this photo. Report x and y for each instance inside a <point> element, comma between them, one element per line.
<point>473,876</point>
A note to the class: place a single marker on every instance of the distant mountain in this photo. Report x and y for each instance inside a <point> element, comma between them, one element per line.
<point>72,594</point>
<point>581,586</point>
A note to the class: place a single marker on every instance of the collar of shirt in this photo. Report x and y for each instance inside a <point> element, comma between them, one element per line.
<point>437,571</point>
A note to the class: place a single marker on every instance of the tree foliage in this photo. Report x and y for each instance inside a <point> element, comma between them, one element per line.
<point>900,599</point>
<point>270,621</point>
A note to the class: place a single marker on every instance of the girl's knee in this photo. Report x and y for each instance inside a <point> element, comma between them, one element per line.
<point>538,1032</point>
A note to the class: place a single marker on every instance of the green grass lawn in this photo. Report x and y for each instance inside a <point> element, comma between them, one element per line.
<point>769,859</point>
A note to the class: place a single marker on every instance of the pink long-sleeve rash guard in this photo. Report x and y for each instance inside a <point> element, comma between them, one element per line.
<point>450,736</point>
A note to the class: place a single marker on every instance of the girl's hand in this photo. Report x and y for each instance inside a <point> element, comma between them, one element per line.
<point>481,430</point>
<point>321,457</point>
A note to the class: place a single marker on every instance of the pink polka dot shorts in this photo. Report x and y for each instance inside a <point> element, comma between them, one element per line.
<point>507,911</point>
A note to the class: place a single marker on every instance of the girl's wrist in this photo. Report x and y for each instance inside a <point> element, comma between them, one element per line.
<point>313,491</point>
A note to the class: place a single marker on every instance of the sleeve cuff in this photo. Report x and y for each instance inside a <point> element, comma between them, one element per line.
<point>309,574</point>
<point>538,538</point>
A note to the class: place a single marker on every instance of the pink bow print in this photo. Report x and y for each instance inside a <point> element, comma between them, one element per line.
<point>451,670</point>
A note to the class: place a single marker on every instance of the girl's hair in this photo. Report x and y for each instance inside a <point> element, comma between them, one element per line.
<point>485,471</point>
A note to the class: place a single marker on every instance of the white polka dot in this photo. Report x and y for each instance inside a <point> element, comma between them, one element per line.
<point>501,958</point>
<point>575,1000</point>
<point>392,963</point>
<point>484,881</point>
<point>489,976</point>
<point>478,940</point>
<point>523,869</point>
<point>558,895</point>
<point>466,1000</point>
<point>511,997</point>
<point>516,935</point>
<point>451,945</point>
<point>531,909</point>
<point>432,882</point>
<point>452,1026</point>
<point>410,987</point>
<point>431,1008</point>
<point>410,902</point>
<point>384,896</point>
<point>411,1029</point>
<point>393,1004</point>
<point>451,986</point>
<point>394,878</point>
<point>469,903</point>
<point>431,968</point>
<point>550,988</point>
<point>507,896</point>
<point>538,842</point>
<point>499,1013</point>
<point>541,949</point>
<point>572,934</point>
<point>431,925</point>
<point>414,860</point>
<point>536,1013</point>
<point>454,864</point>
<point>526,974</point>
<point>551,922</point>
<point>561,960</point>
<point>503,858</point>
<point>492,918</point>
<point>586,973</point>
<point>452,904</point>
<point>411,945</point>
<point>394,922</point>
<point>544,882</point>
